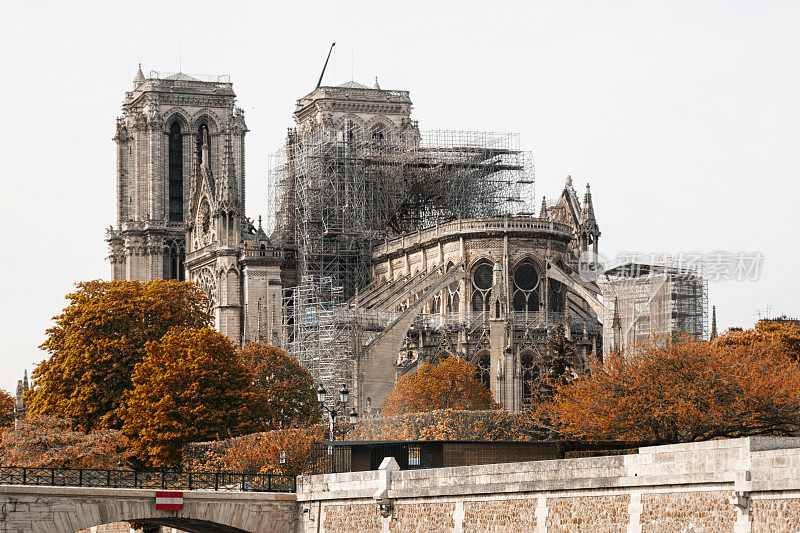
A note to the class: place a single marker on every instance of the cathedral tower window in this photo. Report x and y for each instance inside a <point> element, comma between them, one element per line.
<point>348,130</point>
<point>175,257</point>
<point>378,133</point>
<point>175,174</point>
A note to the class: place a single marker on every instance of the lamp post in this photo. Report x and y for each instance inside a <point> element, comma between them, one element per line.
<point>339,407</point>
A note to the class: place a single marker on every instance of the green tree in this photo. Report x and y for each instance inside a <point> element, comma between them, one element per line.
<point>449,385</point>
<point>283,393</point>
<point>189,388</point>
<point>99,338</point>
<point>558,365</point>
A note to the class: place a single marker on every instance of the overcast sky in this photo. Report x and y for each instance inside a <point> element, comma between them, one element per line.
<point>684,117</point>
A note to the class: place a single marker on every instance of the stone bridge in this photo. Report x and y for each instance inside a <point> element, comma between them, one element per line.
<point>45,509</point>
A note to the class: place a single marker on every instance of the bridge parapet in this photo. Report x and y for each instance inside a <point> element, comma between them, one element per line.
<point>49,509</point>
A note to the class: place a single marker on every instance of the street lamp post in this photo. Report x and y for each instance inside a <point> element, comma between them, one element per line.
<point>339,407</point>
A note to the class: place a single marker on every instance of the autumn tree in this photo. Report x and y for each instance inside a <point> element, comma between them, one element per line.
<point>48,442</point>
<point>669,392</point>
<point>449,385</point>
<point>283,393</point>
<point>99,338</point>
<point>786,334</point>
<point>6,410</point>
<point>261,453</point>
<point>189,388</point>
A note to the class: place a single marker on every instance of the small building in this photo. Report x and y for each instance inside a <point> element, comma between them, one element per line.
<point>359,456</point>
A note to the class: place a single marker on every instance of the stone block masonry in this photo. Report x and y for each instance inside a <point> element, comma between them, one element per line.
<point>738,485</point>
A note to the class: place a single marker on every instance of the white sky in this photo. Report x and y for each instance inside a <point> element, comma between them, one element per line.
<point>684,117</point>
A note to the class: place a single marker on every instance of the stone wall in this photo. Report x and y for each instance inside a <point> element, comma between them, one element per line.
<point>737,485</point>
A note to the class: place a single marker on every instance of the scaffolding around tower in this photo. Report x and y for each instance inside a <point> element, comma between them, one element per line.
<point>337,193</point>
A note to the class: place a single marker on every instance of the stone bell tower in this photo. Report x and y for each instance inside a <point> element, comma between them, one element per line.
<point>167,121</point>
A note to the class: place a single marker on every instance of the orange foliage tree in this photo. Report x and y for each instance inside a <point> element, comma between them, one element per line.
<point>6,410</point>
<point>99,338</point>
<point>669,392</point>
<point>189,388</point>
<point>46,442</point>
<point>283,393</point>
<point>449,385</point>
<point>787,335</point>
<point>257,452</point>
<point>262,454</point>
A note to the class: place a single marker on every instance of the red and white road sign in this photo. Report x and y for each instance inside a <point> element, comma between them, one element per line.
<point>169,501</point>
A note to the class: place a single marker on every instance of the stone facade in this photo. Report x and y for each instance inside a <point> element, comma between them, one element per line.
<point>181,202</point>
<point>507,283</point>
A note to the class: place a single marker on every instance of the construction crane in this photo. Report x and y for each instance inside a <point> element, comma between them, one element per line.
<point>325,66</point>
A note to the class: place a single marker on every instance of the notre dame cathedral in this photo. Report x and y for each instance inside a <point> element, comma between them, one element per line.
<point>391,247</point>
<point>181,202</point>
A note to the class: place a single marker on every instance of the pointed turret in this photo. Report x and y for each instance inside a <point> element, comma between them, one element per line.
<point>713,323</point>
<point>260,234</point>
<point>376,85</point>
<point>138,79</point>
<point>587,213</point>
<point>228,190</point>
<point>543,210</point>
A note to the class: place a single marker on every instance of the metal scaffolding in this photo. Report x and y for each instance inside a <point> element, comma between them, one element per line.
<point>338,193</point>
<point>661,300</point>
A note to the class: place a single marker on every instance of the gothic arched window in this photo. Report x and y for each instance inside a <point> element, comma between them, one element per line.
<point>348,130</point>
<point>378,133</point>
<point>483,370</point>
<point>174,264</point>
<point>529,375</point>
<point>525,298</point>
<point>481,285</point>
<point>175,174</point>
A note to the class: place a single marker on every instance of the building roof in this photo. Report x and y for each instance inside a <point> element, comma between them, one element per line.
<point>353,85</point>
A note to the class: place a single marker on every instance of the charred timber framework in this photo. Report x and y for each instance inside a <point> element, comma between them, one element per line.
<point>339,193</point>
